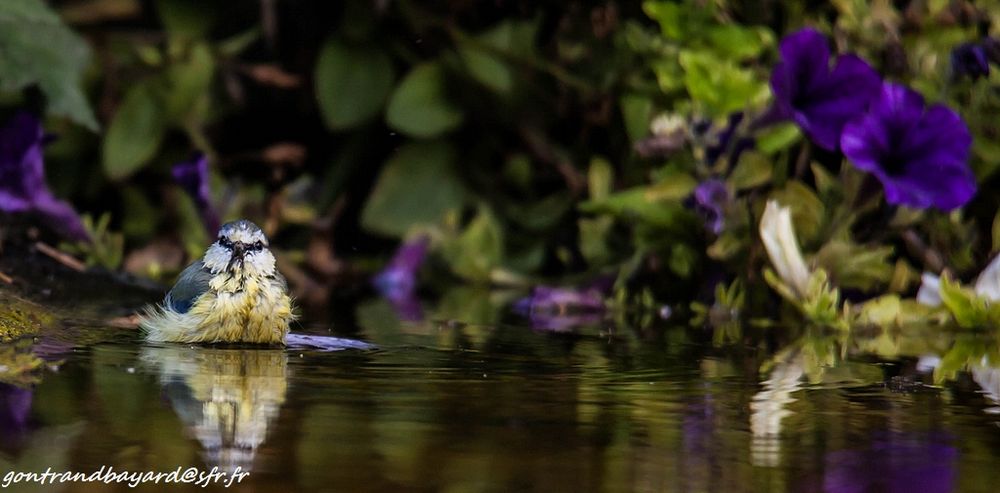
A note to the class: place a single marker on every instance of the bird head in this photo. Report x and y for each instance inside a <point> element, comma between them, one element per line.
<point>241,248</point>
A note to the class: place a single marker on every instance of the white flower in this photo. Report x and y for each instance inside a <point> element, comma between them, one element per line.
<point>988,283</point>
<point>668,124</point>
<point>778,235</point>
<point>930,290</point>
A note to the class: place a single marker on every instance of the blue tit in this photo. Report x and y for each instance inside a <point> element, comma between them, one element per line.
<point>233,294</point>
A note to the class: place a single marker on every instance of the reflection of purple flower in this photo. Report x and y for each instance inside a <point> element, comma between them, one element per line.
<point>896,465</point>
<point>710,199</point>
<point>919,154</point>
<point>397,282</point>
<point>698,427</point>
<point>15,404</point>
<point>561,309</point>
<point>563,322</point>
<point>22,177</point>
<point>562,299</point>
<point>194,178</point>
<point>818,99</point>
<point>324,343</point>
<point>970,59</point>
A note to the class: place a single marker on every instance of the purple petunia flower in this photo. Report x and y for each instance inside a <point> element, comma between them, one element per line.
<point>193,177</point>
<point>919,154</point>
<point>970,59</point>
<point>397,282</point>
<point>818,99</point>
<point>22,177</point>
<point>710,199</point>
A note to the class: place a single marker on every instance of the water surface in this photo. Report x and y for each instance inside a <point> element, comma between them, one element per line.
<point>447,406</point>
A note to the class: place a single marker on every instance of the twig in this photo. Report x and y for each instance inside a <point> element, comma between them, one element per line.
<point>802,162</point>
<point>5,278</point>
<point>60,257</point>
<point>930,257</point>
<point>543,151</point>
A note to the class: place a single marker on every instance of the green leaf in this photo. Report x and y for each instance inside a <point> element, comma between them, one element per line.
<point>637,111</point>
<point>539,215</point>
<point>417,186</point>
<point>594,239</point>
<point>37,48</point>
<point>678,21</point>
<point>669,74</point>
<point>987,152</point>
<point>186,19</point>
<point>352,84</point>
<point>737,42</point>
<point>658,204</point>
<point>234,45</point>
<point>855,266</point>
<point>720,87</point>
<point>419,106</point>
<point>808,211</point>
<point>135,132</point>
<point>600,178</point>
<point>778,138</point>
<point>882,311</point>
<point>188,81</point>
<point>752,170</point>
<point>969,310</point>
<point>478,250</point>
<point>826,183</point>
<point>487,68</point>
<point>995,233</point>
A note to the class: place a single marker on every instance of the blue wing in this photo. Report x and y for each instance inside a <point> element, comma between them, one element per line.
<point>190,285</point>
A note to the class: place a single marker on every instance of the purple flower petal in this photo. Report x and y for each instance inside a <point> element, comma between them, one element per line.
<point>63,216</point>
<point>919,156</point>
<point>22,177</point>
<point>970,59</point>
<point>193,176</point>
<point>805,62</point>
<point>820,100</point>
<point>398,280</point>
<point>711,198</point>
<point>845,94</point>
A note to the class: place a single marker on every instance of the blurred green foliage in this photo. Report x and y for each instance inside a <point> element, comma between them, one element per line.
<point>513,135</point>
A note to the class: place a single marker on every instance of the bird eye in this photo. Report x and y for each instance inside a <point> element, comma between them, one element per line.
<point>258,246</point>
<point>225,242</point>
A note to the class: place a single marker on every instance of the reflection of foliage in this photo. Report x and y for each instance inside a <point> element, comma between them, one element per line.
<point>724,315</point>
<point>18,365</point>
<point>20,318</point>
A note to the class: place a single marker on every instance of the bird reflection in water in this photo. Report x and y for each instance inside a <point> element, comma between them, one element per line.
<point>227,398</point>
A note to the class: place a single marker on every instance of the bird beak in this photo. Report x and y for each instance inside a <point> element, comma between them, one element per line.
<point>239,250</point>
